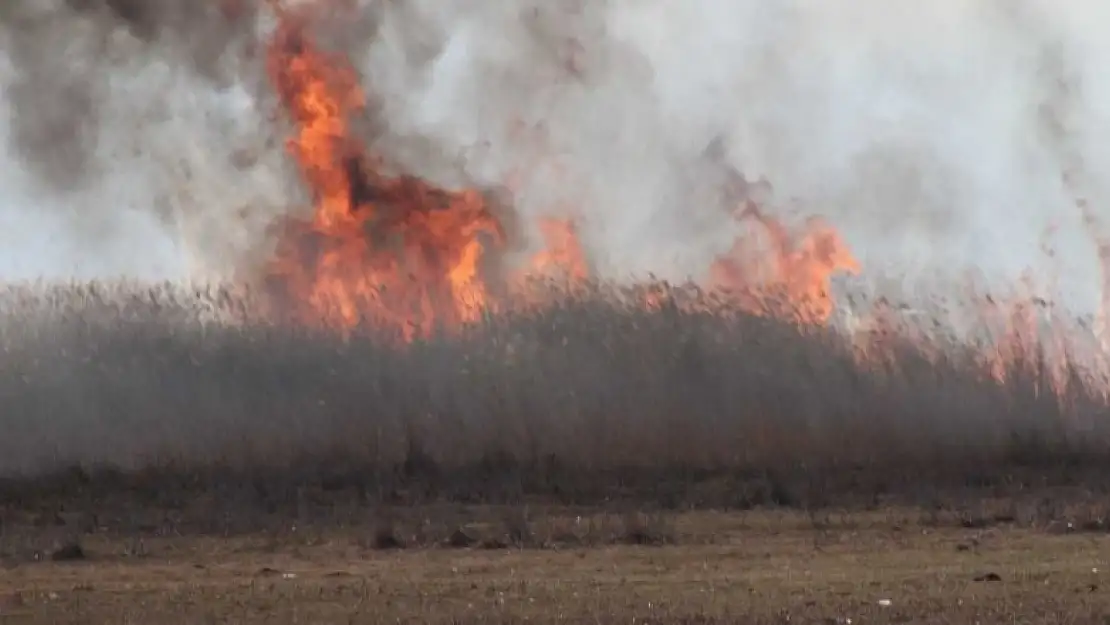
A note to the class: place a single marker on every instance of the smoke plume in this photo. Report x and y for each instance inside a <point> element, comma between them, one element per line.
<point>133,138</point>
<point>939,138</point>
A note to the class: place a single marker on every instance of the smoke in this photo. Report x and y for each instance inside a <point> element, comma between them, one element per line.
<point>939,138</point>
<point>133,135</point>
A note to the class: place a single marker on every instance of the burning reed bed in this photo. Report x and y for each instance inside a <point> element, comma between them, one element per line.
<point>593,397</point>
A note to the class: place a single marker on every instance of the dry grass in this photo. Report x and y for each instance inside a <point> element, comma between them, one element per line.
<point>588,399</point>
<point>167,457</point>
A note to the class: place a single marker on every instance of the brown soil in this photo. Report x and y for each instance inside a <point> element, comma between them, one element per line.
<point>990,563</point>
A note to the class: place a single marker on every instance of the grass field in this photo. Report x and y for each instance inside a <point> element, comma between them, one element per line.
<point>168,458</point>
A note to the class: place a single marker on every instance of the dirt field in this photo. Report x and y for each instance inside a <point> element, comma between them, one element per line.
<point>989,561</point>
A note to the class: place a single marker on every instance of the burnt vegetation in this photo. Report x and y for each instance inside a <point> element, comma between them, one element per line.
<point>122,396</point>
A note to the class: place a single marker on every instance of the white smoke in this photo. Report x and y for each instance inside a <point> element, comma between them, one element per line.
<point>130,162</point>
<point>935,136</point>
<point>919,131</point>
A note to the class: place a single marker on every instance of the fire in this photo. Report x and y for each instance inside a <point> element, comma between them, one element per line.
<point>395,252</point>
<point>386,250</point>
<point>791,278</point>
<point>563,254</point>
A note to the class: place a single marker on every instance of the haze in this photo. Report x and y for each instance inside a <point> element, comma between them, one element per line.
<point>938,138</point>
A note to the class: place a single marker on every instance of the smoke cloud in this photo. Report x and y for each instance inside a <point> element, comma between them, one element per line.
<point>961,135</point>
<point>134,145</point>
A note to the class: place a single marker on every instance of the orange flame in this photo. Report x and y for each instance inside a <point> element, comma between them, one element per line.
<point>378,249</point>
<point>790,280</point>
<point>398,253</point>
<point>563,254</point>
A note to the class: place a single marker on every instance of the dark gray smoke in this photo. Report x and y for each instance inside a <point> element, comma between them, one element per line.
<point>135,121</point>
<point>64,55</point>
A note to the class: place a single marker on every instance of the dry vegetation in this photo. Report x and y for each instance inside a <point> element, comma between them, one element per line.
<point>165,420</point>
<point>589,395</point>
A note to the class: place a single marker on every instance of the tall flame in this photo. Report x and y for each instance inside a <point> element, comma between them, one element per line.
<point>398,253</point>
<point>790,276</point>
<point>390,251</point>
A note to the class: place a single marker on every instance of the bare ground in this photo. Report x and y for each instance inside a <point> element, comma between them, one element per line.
<point>464,564</point>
